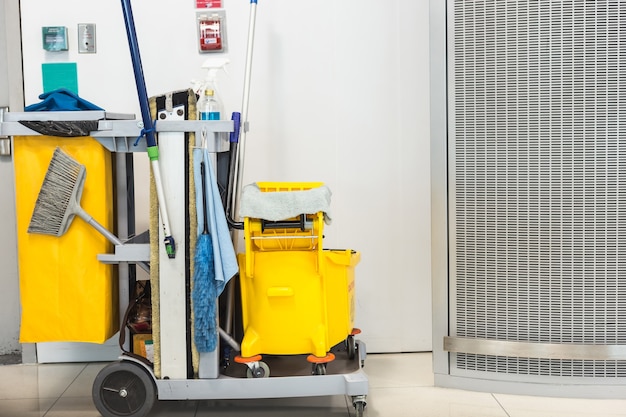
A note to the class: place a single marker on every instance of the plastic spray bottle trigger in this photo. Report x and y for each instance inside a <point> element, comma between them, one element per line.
<point>209,107</point>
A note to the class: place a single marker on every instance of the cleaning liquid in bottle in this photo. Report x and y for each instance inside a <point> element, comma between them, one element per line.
<point>209,107</point>
<point>209,103</point>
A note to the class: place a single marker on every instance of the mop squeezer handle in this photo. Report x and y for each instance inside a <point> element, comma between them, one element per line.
<point>301,223</point>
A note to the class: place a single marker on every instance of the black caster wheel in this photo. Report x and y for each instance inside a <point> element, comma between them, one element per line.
<point>259,371</point>
<point>123,389</point>
<point>359,408</point>
<point>351,347</point>
<point>319,369</point>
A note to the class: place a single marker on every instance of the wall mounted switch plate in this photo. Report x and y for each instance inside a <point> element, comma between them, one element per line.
<point>86,38</point>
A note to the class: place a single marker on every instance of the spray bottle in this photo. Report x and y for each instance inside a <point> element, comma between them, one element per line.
<point>209,104</point>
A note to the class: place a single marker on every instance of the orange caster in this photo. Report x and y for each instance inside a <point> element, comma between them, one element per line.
<point>319,363</point>
<point>256,368</point>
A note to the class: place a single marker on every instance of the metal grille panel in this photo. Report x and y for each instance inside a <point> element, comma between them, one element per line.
<point>539,180</point>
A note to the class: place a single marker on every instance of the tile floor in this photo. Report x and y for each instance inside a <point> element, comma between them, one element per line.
<point>401,385</point>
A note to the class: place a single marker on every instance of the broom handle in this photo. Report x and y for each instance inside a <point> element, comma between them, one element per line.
<point>228,339</point>
<point>170,246</point>
<point>138,71</point>
<point>80,212</point>
<point>148,125</point>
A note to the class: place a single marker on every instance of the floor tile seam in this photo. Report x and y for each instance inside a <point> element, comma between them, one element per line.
<point>85,365</point>
<point>68,387</point>
<point>28,398</point>
<point>51,406</point>
<point>402,386</point>
<point>345,397</point>
<point>500,404</point>
<point>65,390</point>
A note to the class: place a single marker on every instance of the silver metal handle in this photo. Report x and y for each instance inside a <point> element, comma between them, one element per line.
<point>534,349</point>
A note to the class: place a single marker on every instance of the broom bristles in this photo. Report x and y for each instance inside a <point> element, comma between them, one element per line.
<point>61,185</point>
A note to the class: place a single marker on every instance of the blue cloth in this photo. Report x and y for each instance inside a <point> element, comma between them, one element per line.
<point>225,258</point>
<point>61,100</point>
<point>215,259</point>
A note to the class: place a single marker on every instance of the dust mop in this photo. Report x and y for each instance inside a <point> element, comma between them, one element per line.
<point>204,294</point>
<point>58,201</point>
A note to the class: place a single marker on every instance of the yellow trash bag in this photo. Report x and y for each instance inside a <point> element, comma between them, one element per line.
<point>67,295</point>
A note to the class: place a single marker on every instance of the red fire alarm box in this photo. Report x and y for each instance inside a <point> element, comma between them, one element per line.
<point>208,4</point>
<point>211,32</point>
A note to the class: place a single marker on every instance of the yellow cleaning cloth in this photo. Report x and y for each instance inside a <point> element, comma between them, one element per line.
<point>66,293</point>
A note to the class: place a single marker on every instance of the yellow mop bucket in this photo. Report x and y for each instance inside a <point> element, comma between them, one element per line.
<point>290,306</point>
<point>296,297</point>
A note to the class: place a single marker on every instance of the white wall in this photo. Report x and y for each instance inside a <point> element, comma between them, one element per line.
<point>339,94</point>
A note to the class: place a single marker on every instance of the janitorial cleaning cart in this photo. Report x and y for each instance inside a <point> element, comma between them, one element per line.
<point>274,321</point>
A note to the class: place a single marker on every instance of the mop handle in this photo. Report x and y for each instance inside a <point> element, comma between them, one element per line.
<point>148,126</point>
<point>241,149</point>
<point>248,70</point>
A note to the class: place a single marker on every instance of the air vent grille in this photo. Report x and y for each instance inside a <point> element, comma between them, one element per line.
<point>539,178</point>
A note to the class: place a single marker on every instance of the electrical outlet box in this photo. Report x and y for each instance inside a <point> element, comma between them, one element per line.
<point>54,38</point>
<point>86,38</point>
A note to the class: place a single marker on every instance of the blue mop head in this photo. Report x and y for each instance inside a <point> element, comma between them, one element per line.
<point>204,296</point>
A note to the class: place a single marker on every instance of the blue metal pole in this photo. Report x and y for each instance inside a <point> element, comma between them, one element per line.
<point>148,126</point>
<point>138,70</point>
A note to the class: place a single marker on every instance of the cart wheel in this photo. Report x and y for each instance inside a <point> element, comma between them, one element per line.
<point>359,408</point>
<point>319,369</point>
<point>260,371</point>
<point>123,389</point>
<point>351,347</point>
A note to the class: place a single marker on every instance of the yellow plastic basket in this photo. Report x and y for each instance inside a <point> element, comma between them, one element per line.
<point>259,238</point>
